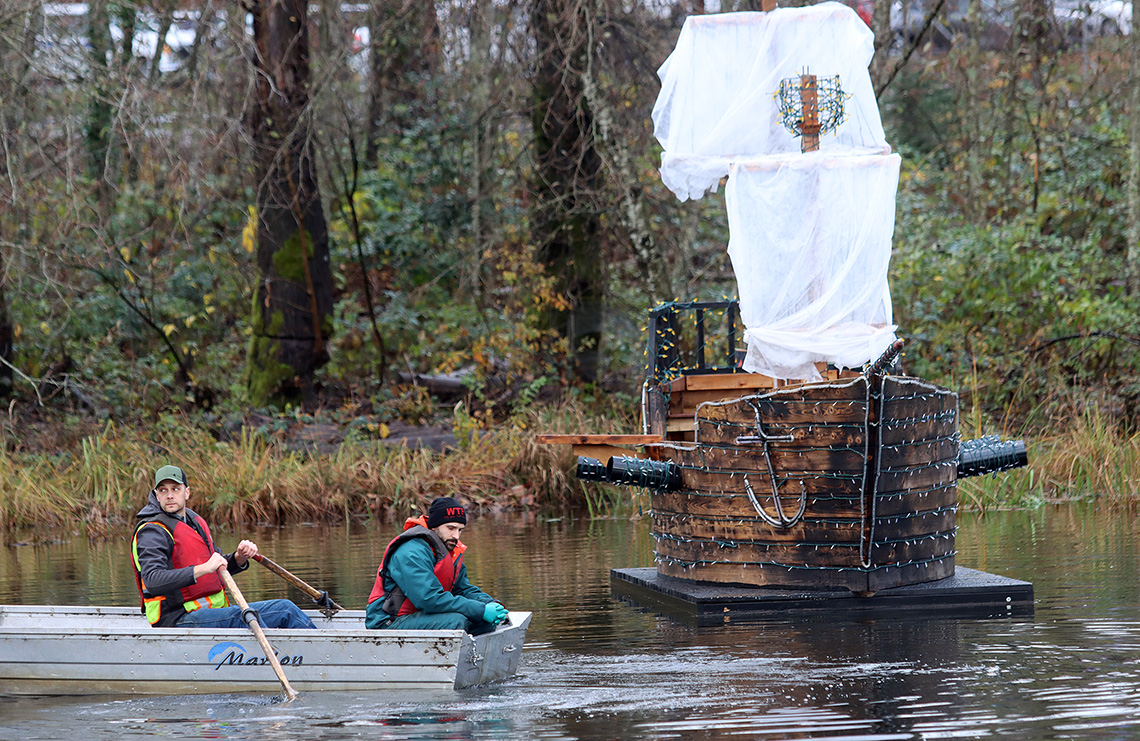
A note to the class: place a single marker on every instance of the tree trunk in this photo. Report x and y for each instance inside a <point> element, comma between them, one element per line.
<point>881,26</point>
<point>404,47</point>
<point>292,311</point>
<point>975,115</point>
<point>1134,154</point>
<point>99,114</point>
<point>18,35</point>
<point>566,220</point>
<point>6,347</point>
<point>621,161</point>
<point>480,73</point>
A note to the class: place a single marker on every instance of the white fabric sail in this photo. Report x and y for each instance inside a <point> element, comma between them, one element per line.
<point>810,233</point>
<point>813,283</point>
<point>718,89</point>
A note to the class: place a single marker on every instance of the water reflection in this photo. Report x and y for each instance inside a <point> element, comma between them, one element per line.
<point>598,668</point>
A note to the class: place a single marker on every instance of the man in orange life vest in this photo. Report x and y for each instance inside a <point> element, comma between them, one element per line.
<point>422,583</point>
<point>176,566</point>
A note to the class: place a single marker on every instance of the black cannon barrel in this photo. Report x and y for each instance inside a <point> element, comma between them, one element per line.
<point>989,454</point>
<point>590,469</point>
<point>659,475</point>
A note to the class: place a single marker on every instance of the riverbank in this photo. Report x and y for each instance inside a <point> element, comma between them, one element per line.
<point>315,474</point>
<point>306,473</point>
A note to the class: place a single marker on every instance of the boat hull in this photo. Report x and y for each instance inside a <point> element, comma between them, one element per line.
<point>834,484</point>
<point>54,650</point>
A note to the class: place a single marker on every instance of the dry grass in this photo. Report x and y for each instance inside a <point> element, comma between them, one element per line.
<point>1086,456</point>
<point>256,480</point>
<point>104,480</point>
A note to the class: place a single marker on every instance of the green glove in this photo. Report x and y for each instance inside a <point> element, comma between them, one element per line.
<point>494,613</point>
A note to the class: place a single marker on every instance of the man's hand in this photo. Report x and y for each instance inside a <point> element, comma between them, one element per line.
<point>245,550</point>
<point>494,613</point>
<point>216,561</point>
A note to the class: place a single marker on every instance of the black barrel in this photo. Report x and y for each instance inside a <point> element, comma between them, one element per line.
<point>659,475</point>
<point>990,454</point>
<point>590,469</point>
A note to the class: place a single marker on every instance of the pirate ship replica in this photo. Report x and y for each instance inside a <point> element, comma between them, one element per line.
<point>802,459</point>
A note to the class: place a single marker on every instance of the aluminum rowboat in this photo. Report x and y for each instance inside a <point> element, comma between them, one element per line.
<point>65,650</point>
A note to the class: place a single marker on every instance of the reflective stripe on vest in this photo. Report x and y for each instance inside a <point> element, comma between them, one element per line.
<point>189,550</point>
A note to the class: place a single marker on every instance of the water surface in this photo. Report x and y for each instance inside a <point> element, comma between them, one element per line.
<point>598,668</point>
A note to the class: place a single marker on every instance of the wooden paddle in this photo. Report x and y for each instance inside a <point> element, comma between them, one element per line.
<point>251,620</point>
<point>326,603</point>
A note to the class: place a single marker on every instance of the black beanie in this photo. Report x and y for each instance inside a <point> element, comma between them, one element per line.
<point>445,509</point>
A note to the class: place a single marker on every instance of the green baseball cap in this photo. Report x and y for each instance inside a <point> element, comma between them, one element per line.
<point>173,473</point>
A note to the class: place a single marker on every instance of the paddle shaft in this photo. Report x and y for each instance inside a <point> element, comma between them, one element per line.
<point>313,592</point>
<point>290,693</point>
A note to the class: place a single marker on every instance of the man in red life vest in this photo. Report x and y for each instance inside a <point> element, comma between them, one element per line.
<point>422,583</point>
<point>176,566</point>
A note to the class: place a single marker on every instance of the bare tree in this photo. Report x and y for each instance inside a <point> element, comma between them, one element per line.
<point>292,315</point>
<point>1134,154</point>
<point>404,50</point>
<point>566,220</point>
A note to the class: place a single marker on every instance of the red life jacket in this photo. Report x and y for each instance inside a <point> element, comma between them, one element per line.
<point>447,564</point>
<point>189,550</point>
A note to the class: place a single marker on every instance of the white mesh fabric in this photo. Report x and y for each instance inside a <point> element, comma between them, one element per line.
<point>717,102</point>
<point>810,245</point>
<point>810,233</point>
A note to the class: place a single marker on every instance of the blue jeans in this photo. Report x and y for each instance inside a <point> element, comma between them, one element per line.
<point>272,613</point>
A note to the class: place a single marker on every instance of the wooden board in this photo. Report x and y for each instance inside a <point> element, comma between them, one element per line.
<point>811,530</point>
<point>550,439</point>
<point>603,453</point>
<point>680,424</point>
<point>798,555</point>
<point>714,381</point>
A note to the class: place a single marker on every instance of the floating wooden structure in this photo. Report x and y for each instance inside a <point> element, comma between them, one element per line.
<point>847,483</point>
<point>780,445</point>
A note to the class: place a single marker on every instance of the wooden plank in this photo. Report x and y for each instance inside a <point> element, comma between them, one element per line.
<point>656,411</point>
<point>754,576</point>
<point>925,523</point>
<point>717,485</point>
<point>753,528</point>
<point>548,439</point>
<point>918,478</point>
<point>919,454</point>
<point>912,574</point>
<point>604,452</point>
<point>834,555</point>
<point>901,503</point>
<point>686,402</point>
<point>730,501</point>
<point>920,548</point>
<point>723,381</point>
<point>789,411</point>
<point>849,435</point>
<point>680,424</point>
<point>808,530</point>
<point>893,433</point>
<point>751,460</point>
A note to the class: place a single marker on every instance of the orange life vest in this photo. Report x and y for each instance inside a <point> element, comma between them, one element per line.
<point>447,565</point>
<point>189,550</point>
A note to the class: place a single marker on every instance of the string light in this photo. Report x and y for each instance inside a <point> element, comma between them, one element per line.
<point>855,465</point>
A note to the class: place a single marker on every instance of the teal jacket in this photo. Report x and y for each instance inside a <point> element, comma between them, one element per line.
<point>412,568</point>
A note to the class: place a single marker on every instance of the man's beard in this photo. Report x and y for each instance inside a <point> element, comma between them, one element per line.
<point>451,543</point>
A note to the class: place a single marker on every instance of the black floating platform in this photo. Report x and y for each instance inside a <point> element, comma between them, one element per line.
<point>968,593</point>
